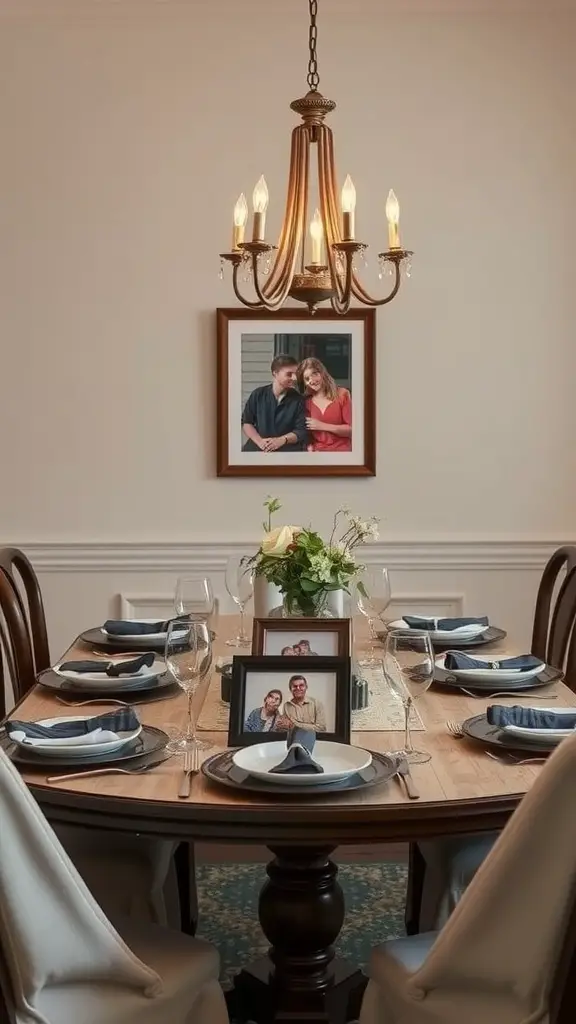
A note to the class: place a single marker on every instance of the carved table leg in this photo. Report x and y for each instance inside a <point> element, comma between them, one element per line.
<point>301,912</point>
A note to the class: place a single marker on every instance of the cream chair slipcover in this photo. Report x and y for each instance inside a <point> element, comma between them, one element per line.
<point>63,962</point>
<point>494,960</point>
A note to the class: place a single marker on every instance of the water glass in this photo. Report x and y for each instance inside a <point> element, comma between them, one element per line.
<point>409,669</point>
<point>188,660</point>
<point>194,597</point>
<point>240,586</point>
<point>373,595</point>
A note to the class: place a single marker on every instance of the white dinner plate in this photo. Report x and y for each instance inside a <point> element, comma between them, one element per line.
<point>98,680</point>
<point>537,736</point>
<point>136,639</point>
<point>54,748</point>
<point>488,677</point>
<point>461,633</point>
<point>337,759</point>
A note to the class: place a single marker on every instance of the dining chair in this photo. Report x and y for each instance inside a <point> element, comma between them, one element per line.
<point>153,879</point>
<point>508,952</point>
<point>547,632</point>
<point>18,568</point>
<point>440,869</point>
<point>62,961</point>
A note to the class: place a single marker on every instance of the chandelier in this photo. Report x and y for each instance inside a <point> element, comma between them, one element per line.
<point>281,272</point>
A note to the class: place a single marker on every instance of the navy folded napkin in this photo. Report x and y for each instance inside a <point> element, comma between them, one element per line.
<point>128,627</point>
<point>111,668</point>
<point>123,720</point>
<point>523,662</point>
<point>298,760</point>
<point>529,718</point>
<point>419,622</point>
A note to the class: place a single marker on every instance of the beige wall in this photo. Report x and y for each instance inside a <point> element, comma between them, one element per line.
<point>128,129</point>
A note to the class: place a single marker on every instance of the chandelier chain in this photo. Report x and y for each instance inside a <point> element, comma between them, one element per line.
<point>313,78</point>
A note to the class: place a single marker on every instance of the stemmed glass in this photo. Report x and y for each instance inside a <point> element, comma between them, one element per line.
<point>409,668</point>
<point>240,586</point>
<point>373,595</point>
<point>188,659</point>
<point>194,597</point>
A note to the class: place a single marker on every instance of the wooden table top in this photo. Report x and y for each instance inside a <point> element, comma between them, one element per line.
<point>461,788</point>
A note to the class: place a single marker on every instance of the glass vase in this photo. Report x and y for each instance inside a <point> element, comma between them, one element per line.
<point>313,606</point>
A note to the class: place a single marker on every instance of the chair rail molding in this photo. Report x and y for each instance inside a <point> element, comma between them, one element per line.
<point>211,555</point>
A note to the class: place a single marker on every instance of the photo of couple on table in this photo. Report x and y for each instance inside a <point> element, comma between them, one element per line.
<point>302,409</point>
<point>277,714</point>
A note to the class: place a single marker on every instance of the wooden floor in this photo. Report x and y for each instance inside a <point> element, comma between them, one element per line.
<point>216,854</point>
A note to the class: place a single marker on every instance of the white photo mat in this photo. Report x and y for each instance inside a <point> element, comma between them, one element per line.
<point>236,328</point>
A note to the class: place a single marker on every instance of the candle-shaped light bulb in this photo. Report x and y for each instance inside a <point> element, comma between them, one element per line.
<point>260,205</point>
<point>393,218</point>
<point>240,218</point>
<point>317,234</point>
<point>348,208</point>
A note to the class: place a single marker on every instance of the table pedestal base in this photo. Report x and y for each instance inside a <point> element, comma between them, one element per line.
<point>301,911</point>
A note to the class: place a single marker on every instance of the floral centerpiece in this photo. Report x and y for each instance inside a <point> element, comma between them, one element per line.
<point>303,566</point>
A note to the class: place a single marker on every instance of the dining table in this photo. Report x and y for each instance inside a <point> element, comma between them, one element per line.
<point>461,790</point>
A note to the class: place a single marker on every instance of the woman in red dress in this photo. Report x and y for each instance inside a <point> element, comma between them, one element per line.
<point>328,409</point>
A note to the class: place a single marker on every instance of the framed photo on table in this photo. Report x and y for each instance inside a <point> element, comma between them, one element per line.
<point>270,695</point>
<point>296,393</point>
<point>301,637</point>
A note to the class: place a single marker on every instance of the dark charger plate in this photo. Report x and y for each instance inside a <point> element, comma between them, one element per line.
<point>96,638</point>
<point>491,635</point>
<point>477,728</point>
<point>549,675</point>
<point>149,741</point>
<point>163,685</point>
<point>217,768</point>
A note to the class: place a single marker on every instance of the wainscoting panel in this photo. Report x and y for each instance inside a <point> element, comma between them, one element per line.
<point>85,583</point>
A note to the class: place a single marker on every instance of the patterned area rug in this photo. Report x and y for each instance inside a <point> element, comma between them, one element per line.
<point>228,898</point>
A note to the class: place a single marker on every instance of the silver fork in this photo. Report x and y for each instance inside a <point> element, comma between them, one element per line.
<point>107,700</point>
<point>455,728</point>
<point>107,771</point>
<point>506,693</point>
<point>507,758</point>
<point>190,769</point>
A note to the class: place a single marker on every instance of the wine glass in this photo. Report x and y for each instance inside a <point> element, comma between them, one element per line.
<point>188,659</point>
<point>409,668</point>
<point>240,586</point>
<point>373,595</point>
<point>194,597</point>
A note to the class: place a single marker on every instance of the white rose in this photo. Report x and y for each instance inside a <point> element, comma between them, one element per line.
<point>277,541</point>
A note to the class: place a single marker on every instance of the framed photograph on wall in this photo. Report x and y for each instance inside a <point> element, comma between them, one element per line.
<point>270,695</point>
<point>296,393</point>
<point>301,638</point>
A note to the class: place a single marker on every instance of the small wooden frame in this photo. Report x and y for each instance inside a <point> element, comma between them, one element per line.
<point>255,678</point>
<point>326,638</point>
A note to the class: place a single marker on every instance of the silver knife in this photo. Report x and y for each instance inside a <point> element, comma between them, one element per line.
<point>403,770</point>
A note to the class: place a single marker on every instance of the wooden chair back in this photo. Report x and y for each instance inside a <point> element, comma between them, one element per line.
<point>548,631</point>
<point>18,658</point>
<point>25,581</point>
<point>563,631</point>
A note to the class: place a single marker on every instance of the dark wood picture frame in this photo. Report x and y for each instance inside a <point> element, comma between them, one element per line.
<point>305,626</point>
<point>249,664</point>
<point>225,467</point>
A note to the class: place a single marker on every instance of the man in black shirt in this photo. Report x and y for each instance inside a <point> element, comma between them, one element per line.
<point>274,417</point>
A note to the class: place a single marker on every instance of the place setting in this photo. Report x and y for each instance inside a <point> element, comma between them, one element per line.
<point>477,676</point>
<point>115,678</point>
<point>536,731</point>
<point>463,631</point>
<point>141,634</point>
<point>85,742</point>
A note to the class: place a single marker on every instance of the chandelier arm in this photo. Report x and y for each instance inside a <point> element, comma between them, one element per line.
<point>362,295</point>
<point>327,204</point>
<point>238,293</point>
<point>280,279</point>
<point>265,300</point>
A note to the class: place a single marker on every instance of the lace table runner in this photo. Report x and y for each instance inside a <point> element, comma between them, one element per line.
<point>384,713</point>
